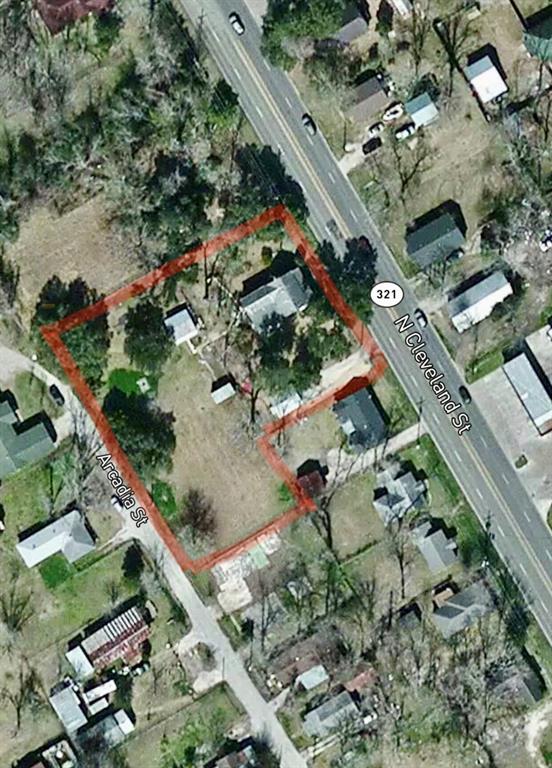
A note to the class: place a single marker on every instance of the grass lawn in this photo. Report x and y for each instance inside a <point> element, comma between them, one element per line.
<point>127,381</point>
<point>395,402</point>
<point>163,496</point>
<point>32,396</point>
<point>356,524</point>
<point>55,570</point>
<point>483,364</point>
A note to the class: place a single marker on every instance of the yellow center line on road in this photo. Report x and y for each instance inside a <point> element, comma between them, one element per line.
<point>301,156</point>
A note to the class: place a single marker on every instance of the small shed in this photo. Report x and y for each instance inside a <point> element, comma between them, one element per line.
<point>182,323</point>
<point>223,389</point>
<point>422,110</point>
<point>312,678</point>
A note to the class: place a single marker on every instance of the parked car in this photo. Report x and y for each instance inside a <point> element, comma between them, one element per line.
<point>333,229</point>
<point>375,130</point>
<point>309,124</point>
<point>545,243</point>
<point>464,394</point>
<point>405,131</point>
<point>420,317</point>
<point>116,503</point>
<point>371,145</point>
<point>237,23</point>
<point>393,112</point>
<point>56,395</point>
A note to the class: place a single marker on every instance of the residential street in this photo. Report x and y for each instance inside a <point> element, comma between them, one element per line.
<point>476,459</point>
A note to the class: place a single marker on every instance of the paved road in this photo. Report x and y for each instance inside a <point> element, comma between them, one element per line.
<point>488,480</point>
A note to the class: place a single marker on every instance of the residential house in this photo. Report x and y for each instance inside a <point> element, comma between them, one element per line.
<point>334,713</point>
<point>422,110</point>
<point>409,617</point>
<point>438,550</point>
<point>462,609</point>
<point>369,100</point>
<point>112,730</point>
<point>397,493</point>
<point>242,756</point>
<point>485,79</point>
<point>68,706</point>
<point>312,678</point>
<point>353,24</point>
<point>311,476</point>
<point>57,14</point>
<point>118,639</point>
<point>22,442</point>
<point>529,385</point>
<point>182,323</point>
<point>518,683</point>
<point>223,389</point>
<point>538,34</point>
<point>284,295</point>
<point>477,302</point>
<point>362,419</point>
<point>68,535</point>
<point>436,239</point>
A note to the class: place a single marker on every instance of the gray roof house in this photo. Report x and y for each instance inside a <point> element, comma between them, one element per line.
<point>463,609</point>
<point>533,395</point>
<point>422,110</point>
<point>538,34</point>
<point>476,303</point>
<point>22,442</point>
<point>519,683</point>
<point>68,707</point>
<point>330,715</point>
<point>284,296</point>
<point>67,534</point>
<point>437,549</point>
<point>181,322</point>
<point>369,100</point>
<point>434,241</point>
<point>396,493</point>
<point>353,24</point>
<point>361,419</point>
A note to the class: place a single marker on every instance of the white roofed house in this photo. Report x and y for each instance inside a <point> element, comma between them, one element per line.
<point>182,323</point>
<point>485,79</point>
<point>533,390</point>
<point>477,302</point>
<point>68,535</point>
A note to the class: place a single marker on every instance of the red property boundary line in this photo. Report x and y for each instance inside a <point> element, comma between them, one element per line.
<point>304,503</point>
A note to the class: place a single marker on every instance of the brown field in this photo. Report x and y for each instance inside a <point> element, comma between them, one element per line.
<point>215,453</point>
<point>77,244</point>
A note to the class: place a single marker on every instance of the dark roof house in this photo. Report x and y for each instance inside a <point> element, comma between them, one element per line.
<point>435,240</point>
<point>22,442</point>
<point>243,756</point>
<point>519,683</point>
<point>362,419</point>
<point>463,609</point>
<point>353,24</point>
<point>538,34</point>
<point>283,295</point>
<point>370,98</point>
<point>57,14</point>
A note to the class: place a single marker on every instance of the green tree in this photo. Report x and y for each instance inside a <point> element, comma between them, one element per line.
<point>133,563</point>
<point>223,110</point>
<point>148,341</point>
<point>355,274</point>
<point>145,432</point>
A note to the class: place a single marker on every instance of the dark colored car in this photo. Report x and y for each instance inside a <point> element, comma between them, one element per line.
<point>309,124</point>
<point>464,394</point>
<point>420,318</point>
<point>56,395</point>
<point>371,145</point>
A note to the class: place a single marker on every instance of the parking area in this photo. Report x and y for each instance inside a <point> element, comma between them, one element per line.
<point>518,435</point>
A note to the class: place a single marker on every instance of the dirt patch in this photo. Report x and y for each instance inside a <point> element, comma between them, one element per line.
<point>77,244</point>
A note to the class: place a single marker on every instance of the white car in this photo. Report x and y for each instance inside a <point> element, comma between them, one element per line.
<point>405,131</point>
<point>237,23</point>
<point>393,112</point>
<point>545,243</point>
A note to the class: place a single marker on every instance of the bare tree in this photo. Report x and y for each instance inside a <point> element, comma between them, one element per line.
<point>15,608</point>
<point>455,33</point>
<point>198,514</point>
<point>409,165</point>
<point>25,693</point>
<point>419,28</point>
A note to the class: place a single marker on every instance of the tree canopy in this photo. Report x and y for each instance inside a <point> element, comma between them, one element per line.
<point>148,342</point>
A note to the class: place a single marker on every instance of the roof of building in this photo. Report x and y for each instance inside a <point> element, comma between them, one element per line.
<point>353,24</point>
<point>242,757</point>
<point>312,483</point>
<point>80,662</point>
<point>396,493</point>
<point>114,632</point>
<point>463,609</point>
<point>370,98</point>
<point>538,34</point>
<point>530,390</point>
<point>519,683</point>
<point>312,677</point>
<point>435,240</point>
<point>477,302</point>
<point>403,7</point>
<point>330,715</point>
<point>223,389</point>
<point>284,296</point>
<point>361,419</point>
<point>485,79</point>
<point>22,442</point>
<point>422,110</point>
<point>112,728</point>
<point>57,14</point>
<point>68,707</point>
<point>67,534</point>
<point>182,323</point>
<point>437,549</point>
